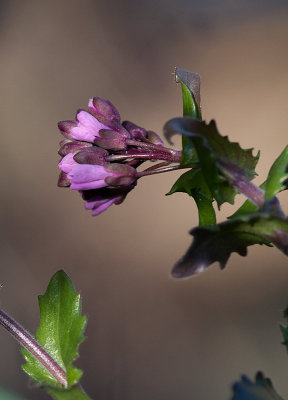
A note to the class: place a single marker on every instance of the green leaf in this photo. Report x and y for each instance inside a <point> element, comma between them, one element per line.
<point>222,162</point>
<point>216,243</point>
<point>193,183</point>
<point>278,175</point>
<point>60,331</point>
<point>75,393</point>
<point>275,183</point>
<point>190,85</point>
<point>262,389</point>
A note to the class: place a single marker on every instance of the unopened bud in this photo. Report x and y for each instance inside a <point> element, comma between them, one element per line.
<point>154,138</point>
<point>136,131</point>
<point>124,175</point>
<point>72,147</point>
<point>102,108</point>
<point>111,140</point>
<point>63,180</point>
<point>92,155</point>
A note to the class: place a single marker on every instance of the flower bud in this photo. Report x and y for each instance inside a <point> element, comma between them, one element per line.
<point>111,140</point>
<point>71,147</point>
<point>65,128</point>
<point>154,138</point>
<point>92,155</point>
<point>123,175</point>
<point>135,131</point>
<point>103,109</point>
<point>63,180</point>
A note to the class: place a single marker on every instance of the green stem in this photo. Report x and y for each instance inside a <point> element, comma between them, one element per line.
<point>74,393</point>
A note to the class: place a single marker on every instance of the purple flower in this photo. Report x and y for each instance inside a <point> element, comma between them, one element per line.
<point>101,199</point>
<point>101,154</point>
<point>86,177</point>
<point>67,163</point>
<point>85,129</point>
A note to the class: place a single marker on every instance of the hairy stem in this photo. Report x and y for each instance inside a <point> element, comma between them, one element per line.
<point>28,341</point>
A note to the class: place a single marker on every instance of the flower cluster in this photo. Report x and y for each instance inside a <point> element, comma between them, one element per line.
<point>100,155</point>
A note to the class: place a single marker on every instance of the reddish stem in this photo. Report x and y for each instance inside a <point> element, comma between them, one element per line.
<point>27,340</point>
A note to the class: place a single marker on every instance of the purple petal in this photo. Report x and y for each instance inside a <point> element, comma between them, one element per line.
<point>87,128</point>
<point>67,163</point>
<point>86,177</point>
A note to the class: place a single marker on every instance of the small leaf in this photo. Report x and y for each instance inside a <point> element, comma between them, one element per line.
<point>222,162</point>
<point>278,175</point>
<point>262,389</point>
<point>190,85</point>
<point>193,183</point>
<point>217,242</point>
<point>60,330</point>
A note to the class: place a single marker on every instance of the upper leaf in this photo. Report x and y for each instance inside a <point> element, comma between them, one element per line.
<point>222,162</point>
<point>60,330</point>
<point>216,243</point>
<point>262,389</point>
<point>190,85</point>
<point>193,183</point>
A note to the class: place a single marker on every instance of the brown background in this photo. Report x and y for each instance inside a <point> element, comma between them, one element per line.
<point>148,336</point>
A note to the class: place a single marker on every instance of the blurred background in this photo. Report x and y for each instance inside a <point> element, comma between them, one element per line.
<point>148,336</point>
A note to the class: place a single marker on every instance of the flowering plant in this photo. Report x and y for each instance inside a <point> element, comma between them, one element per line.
<point>103,158</point>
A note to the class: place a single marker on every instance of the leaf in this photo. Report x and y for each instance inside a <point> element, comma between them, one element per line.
<point>222,162</point>
<point>275,183</point>
<point>216,243</point>
<point>60,330</point>
<point>190,85</point>
<point>277,176</point>
<point>193,183</point>
<point>262,389</point>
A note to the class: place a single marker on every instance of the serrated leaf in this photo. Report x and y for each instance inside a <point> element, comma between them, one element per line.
<point>222,162</point>
<point>193,183</point>
<point>277,176</point>
<point>190,85</point>
<point>262,389</point>
<point>216,243</point>
<point>60,330</point>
